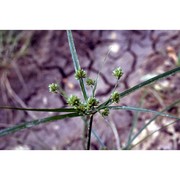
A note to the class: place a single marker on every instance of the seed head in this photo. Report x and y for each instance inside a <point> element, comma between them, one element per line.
<point>80,74</point>
<point>92,101</point>
<point>54,88</point>
<point>115,97</point>
<point>90,82</point>
<point>74,101</point>
<point>105,112</point>
<point>117,73</point>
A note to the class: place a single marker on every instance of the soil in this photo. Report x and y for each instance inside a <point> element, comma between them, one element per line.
<point>141,54</point>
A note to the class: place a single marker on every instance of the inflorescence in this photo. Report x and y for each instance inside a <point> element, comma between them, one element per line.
<point>92,102</point>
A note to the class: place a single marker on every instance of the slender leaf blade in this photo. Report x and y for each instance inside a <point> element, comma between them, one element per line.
<point>40,109</point>
<point>140,85</point>
<point>33,123</point>
<point>142,110</point>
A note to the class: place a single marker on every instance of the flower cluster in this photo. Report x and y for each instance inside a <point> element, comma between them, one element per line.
<point>81,107</point>
<point>117,73</point>
<point>115,97</point>
<point>54,88</point>
<point>80,74</point>
<point>90,82</point>
<point>91,102</point>
<point>73,101</point>
<point>105,112</point>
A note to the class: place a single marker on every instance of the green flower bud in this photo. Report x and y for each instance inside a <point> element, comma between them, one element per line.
<point>90,82</point>
<point>115,97</point>
<point>80,74</point>
<point>81,108</point>
<point>74,101</point>
<point>92,101</point>
<point>54,88</point>
<point>117,73</point>
<point>105,112</point>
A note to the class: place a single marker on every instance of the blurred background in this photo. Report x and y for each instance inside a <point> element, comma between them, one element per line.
<point>31,60</point>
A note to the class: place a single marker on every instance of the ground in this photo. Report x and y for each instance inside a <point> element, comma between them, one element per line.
<point>141,54</point>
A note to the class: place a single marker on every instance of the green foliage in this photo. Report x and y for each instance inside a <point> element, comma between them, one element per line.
<point>90,105</point>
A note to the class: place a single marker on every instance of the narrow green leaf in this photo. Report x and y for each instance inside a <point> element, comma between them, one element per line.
<point>150,121</point>
<point>33,123</point>
<point>148,82</point>
<point>73,50</point>
<point>140,85</point>
<point>169,124</point>
<point>76,62</point>
<point>40,110</point>
<point>135,118</point>
<point>142,110</point>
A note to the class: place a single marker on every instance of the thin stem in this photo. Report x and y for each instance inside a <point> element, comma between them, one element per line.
<point>98,138</point>
<point>85,131</point>
<point>95,85</point>
<point>89,132</point>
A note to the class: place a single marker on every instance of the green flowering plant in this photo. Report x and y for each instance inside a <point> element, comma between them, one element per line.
<point>90,105</point>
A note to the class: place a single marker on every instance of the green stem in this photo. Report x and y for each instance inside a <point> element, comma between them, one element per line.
<point>85,132</point>
<point>89,132</point>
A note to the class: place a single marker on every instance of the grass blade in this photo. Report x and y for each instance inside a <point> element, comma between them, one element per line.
<point>153,133</point>
<point>135,118</point>
<point>73,50</point>
<point>99,139</point>
<point>40,110</point>
<point>142,110</point>
<point>76,62</point>
<point>153,119</point>
<point>138,86</point>
<point>33,123</point>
